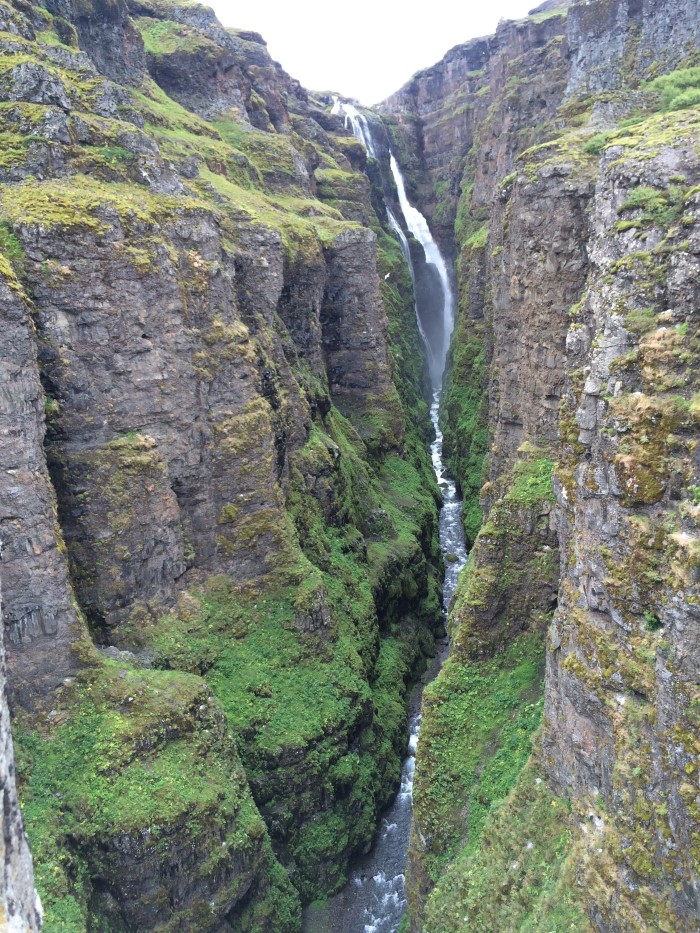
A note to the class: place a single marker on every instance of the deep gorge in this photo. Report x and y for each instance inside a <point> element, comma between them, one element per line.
<point>221,570</point>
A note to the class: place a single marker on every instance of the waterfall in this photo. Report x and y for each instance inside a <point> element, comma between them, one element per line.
<point>435,367</point>
<point>358,123</point>
<point>418,226</point>
<point>374,899</point>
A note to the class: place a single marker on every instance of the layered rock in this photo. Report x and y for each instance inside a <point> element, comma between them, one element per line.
<point>576,204</point>
<point>221,568</point>
<point>20,908</point>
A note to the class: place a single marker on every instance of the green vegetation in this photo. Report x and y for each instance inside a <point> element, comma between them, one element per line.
<point>163,37</point>
<point>464,405</point>
<point>521,878</point>
<point>11,248</point>
<point>478,721</point>
<point>310,663</point>
<point>597,143</point>
<point>126,749</point>
<point>679,89</point>
<point>463,418</point>
<point>532,482</point>
<point>657,207</point>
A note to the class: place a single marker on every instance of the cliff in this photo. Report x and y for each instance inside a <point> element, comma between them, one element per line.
<point>558,160</point>
<point>20,908</point>
<point>220,568</point>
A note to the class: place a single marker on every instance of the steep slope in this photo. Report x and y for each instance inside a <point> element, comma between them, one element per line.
<point>571,140</point>
<point>219,517</point>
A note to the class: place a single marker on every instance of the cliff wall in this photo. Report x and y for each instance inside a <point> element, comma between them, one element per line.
<point>220,566</point>
<point>559,160</point>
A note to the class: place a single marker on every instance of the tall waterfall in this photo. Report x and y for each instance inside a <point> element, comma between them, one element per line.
<point>436,366</point>
<point>358,122</point>
<point>374,900</point>
<point>418,226</point>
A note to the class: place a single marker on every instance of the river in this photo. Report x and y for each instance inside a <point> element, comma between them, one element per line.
<point>374,899</point>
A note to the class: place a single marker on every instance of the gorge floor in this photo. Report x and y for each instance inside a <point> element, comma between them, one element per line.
<point>374,899</point>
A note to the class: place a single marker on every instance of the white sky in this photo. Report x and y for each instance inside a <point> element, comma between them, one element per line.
<point>365,48</point>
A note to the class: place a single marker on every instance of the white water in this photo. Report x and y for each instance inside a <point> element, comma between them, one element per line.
<point>374,900</point>
<point>418,226</point>
<point>433,365</point>
<point>358,124</point>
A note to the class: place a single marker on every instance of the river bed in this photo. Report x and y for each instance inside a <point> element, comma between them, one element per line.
<point>374,899</point>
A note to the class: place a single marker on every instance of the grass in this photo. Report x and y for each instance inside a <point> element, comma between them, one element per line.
<point>478,721</point>
<point>521,879</point>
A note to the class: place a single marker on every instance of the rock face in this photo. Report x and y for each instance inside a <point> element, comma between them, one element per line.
<point>20,908</point>
<point>219,521</point>
<point>574,159</point>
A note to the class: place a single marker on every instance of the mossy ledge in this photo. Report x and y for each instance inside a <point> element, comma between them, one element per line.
<point>237,515</point>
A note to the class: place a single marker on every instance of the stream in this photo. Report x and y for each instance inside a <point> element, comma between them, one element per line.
<point>374,899</point>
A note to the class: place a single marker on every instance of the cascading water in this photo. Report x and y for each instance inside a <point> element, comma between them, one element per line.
<point>374,900</point>
<point>433,364</point>
<point>358,123</point>
<point>418,226</point>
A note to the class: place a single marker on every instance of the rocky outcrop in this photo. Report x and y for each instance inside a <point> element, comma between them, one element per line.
<point>613,43</point>
<point>38,616</point>
<point>475,111</point>
<point>622,663</point>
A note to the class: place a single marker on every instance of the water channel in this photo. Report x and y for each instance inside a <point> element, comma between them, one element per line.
<point>374,899</point>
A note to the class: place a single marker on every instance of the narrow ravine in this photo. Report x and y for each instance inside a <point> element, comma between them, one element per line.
<point>374,899</point>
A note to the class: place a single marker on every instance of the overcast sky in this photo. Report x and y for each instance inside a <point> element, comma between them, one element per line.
<point>364,48</point>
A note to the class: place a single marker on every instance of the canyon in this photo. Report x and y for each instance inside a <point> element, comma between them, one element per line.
<point>221,565</point>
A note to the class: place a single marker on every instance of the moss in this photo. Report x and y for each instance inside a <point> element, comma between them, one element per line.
<point>464,404</point>
<point>597,143</point>
<point>657,207</point>
<point>522,877</point>
<point>532,483</point>
<point>163,37</point>
<point>291,697</point>
<point>111,761</point>
<point>11,248</point>
<point>478,718</point>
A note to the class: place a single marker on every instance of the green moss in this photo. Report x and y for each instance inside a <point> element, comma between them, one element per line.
<point>477,240</point>
<point>162,37</point>
<point>478,720</point>
<point>522,877</point>
<point>597,143</point>
<point>11,248</point>
<point>532,482</point>
<point>113,762</point>
<point>657,207</point>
